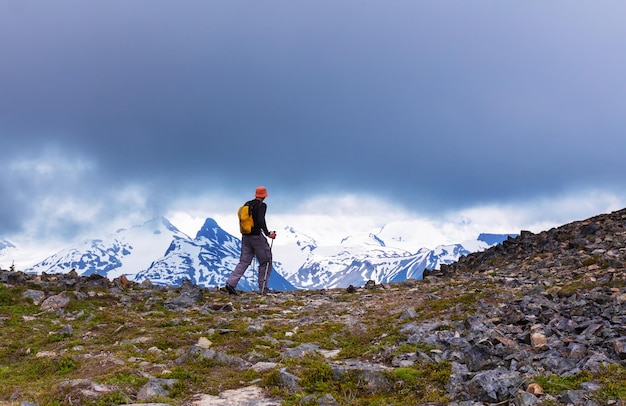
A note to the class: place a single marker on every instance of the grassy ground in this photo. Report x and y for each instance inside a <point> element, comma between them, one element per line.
<point>120,339</point>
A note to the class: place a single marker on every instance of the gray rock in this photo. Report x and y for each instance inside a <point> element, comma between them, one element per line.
<point>196,352</point>
<point>525,399</point>
<point>478,358</point>
<point>37,296</point>
<point>56,302</point>
<point>288,380</point>
<point>619,346</point>
<point>572,397</point>
<point>404,360</point>
<point>458,377</point>
<point>408,314</point>
<point>372,374</point>
<point>494,385</point>
<point>301,350</point>
<point>190,296</point>
<point>327,400</point>
<point>156,387</point>
<point>67,330</point>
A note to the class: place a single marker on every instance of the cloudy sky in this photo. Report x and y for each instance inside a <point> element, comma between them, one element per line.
<point>503,115</point>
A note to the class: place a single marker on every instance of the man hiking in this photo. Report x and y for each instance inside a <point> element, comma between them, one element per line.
<point>254,244</point>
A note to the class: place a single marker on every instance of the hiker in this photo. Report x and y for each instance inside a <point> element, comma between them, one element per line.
<point>253,245</point>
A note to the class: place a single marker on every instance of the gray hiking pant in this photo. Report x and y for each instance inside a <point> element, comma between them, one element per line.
<point>253,246</point>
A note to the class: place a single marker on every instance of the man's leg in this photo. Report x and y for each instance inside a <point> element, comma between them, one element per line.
<point>264,255</point>
<point>245,259</point>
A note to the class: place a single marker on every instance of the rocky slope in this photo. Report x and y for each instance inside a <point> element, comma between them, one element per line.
<point>540,319</point>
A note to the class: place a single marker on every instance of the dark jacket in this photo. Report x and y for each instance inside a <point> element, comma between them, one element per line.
<point>258,215</point>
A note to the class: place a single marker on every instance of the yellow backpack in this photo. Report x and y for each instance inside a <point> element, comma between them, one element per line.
<point>246,222</point>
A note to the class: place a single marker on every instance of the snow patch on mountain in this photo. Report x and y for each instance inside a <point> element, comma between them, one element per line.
<point>126,252</point>
<point>365,257</point>
<point>291,248</point>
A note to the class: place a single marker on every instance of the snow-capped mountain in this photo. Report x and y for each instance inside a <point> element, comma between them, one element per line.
<point>126,252</point>
<point>352,262</point>
<point>207,261</point>
<point>159,252</point>
<point>359,259</point>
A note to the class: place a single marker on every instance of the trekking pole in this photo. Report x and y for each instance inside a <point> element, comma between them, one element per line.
<point>256,261</point>
<point>267,276</point>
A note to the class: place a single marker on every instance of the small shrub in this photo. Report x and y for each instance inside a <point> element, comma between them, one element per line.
<point>317,376</point>
<point>66,365</point>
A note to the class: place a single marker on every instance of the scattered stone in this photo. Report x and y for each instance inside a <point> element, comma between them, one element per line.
<point>409,313</point>
<point>221,307</point>
<point>190,296</point>
<point>122,281</point>
<point>288,380</point>
<point>538,304</point>
<point>572,397</point>
<point>535,389</point>
<point>301,350</point>
<point>538,340</point>
<point>56,302</point>
<point>204,342</point>
<point>37,296</point>
<point>264,366</point>
<point>494,385</point>
<point>327,400</point>
<point>88,388</point>
<point>247,396</point>
<point>525,399</point>
<point>47,354</point>
<point>373,374</point>
<point>329,353</point>
<point>155,387</point>
<point>67,330</point>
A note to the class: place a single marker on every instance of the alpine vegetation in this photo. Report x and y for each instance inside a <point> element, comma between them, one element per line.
<point>538,319</point>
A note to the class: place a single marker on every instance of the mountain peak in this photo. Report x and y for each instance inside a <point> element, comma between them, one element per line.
<point>210,229</point>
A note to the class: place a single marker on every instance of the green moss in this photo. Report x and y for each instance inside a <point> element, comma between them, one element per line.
<point>316,375</point>
<point>591,260</point>
<point>555,384</point>
<point>425,381</point>
<point>458,305</point>
<point>126,378</point>
<point>613,384</point>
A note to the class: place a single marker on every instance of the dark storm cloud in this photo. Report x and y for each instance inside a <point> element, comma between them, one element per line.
<point>442,103</point>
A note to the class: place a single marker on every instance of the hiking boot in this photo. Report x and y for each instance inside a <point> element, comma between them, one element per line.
<point>231,290</point>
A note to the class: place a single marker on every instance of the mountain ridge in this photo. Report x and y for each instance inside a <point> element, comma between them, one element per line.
<point>158,251</point>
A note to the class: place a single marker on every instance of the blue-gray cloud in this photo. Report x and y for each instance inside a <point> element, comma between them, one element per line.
<point>431,104</point>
